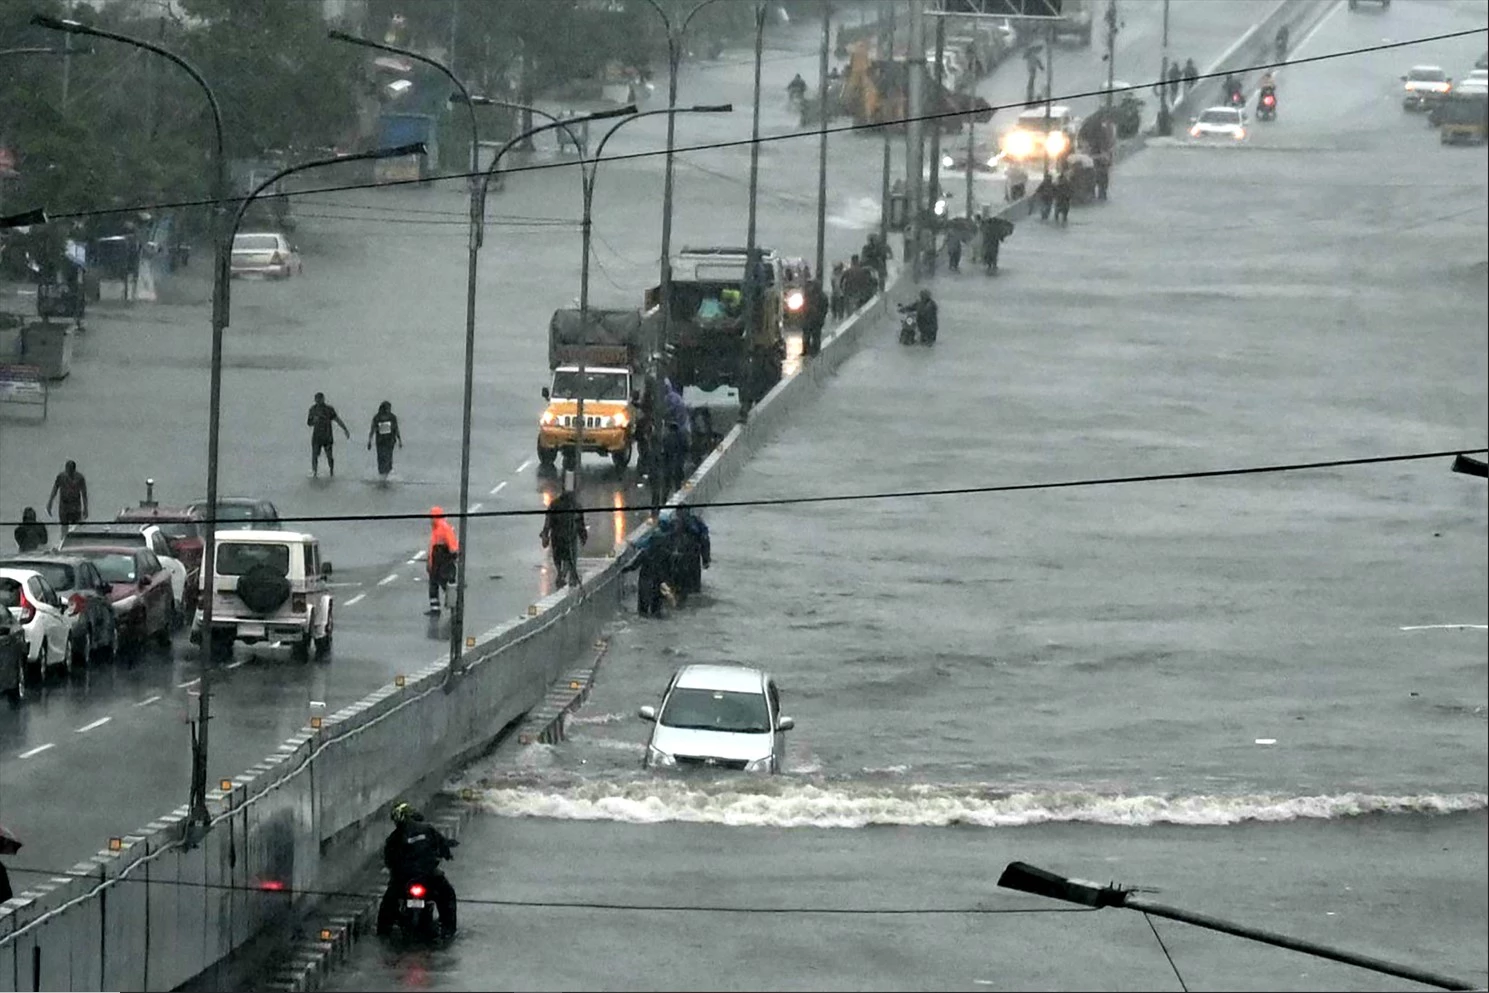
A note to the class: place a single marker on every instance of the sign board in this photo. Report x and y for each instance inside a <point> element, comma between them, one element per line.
<point>23,384</point>
<point>1013,9</point>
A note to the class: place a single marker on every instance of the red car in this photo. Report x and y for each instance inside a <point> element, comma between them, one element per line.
<point>184,529</point>
<point>139,591</point>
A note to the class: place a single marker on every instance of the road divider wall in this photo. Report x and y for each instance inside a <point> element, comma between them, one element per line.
<point>1255,47</point>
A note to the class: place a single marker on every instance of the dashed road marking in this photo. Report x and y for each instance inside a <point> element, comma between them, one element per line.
<point>356,599</point>
<point>420,556</point>
<point>476,507</point>
<point>189,682</point>
<point>1447,627</point>
<point>37,750</point>
<point>390,578</point>
<point>523,466</point>
<point>149,700</point>
<point>96,724</point>
<point>234,665</point>
<point>497,488</point>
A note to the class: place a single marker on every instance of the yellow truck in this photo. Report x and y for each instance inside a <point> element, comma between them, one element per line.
<point>597,371</point>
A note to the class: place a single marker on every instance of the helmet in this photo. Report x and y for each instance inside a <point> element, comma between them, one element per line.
<point>403,813</point>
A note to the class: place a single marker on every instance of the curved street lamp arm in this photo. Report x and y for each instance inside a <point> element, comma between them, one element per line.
<point>77,27</point>
<point>594,161</point>
<point>553,119</point>
<point>417,148</point>
<point>45,51</point>
<point>470,107</point>
<point>494,168</point>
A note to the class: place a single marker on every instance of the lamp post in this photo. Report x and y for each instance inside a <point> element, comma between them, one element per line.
<point>674,58</point>
<point>753,375</point>
<point>822,140</point>
<point>473,248</point>
<point>220,292</point>
<point>1026,878</point>
<point>590,171</point>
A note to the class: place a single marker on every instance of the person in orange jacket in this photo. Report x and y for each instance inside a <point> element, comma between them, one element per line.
<point>443,549</point>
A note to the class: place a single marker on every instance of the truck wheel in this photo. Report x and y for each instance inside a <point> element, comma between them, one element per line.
<point>547,456</point>
<point>622,458</point>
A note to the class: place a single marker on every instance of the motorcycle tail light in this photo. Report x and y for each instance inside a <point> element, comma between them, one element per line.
<point>417,891</point>
<point>297,603</point>
<point>1269,100</point>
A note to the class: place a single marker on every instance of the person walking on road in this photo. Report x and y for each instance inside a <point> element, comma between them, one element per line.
<point>30,534</point>
<point>1174,82</point>
<point>694,552</point>
<point>1035,67</point>
<point>652,565</point>
<point>814,318</point>
<point>70,493</point>
<point>444,546</point>
<point>1191,75</point>
<point>1062,199</point>
<point>839,298</point>
<point>1101,169</point>
<point>1045,195</point>
<point>563,532</point>
<point>674,458</point>
<point>320,419</point>
<point>385,432</point>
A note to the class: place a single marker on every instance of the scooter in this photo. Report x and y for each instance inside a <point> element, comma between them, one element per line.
<point>1266,106</point>
<point>909,327</point>
<point>1236,98</point>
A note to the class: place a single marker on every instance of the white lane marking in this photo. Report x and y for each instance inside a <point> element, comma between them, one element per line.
<point>390,578</point>
<point>1447,627</point>
<point>189,682</point>
<point>523,466</point>
<point>356,599</point>
<point>37,750</point>
<point>1316,29</point>
<point>475,507</point>
<point>420,556</point>
<point>96,724</point>
<point>234,665</point>
<point>149,700</point>
<point>497,488</point>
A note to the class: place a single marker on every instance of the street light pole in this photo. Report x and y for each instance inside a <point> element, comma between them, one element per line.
<point>1165,122</point>
<point>473,248</point>
<point>754,375</point>
<point>589,171</point>
<point>822,142</point>
<point>1111,50</point>
<point>197,816</point>
<point>888,56</point>
<point>674,58</point>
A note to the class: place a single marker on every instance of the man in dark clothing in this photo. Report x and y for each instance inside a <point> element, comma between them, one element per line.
<point>1035,67</point>
<point>994,230</point>
<point>1175,81</point>
<point>412,854</point>
<point>1045,195</point>
<point>926,317</point>
<point>322,415</point>
<point>859,284</point>
<point>814,317</point>
<point>70,492</point>
<point>30,534</point>
<point>1062,199</point>
<point>1191,75</point>
<point>954,250</point>
<point>563,532</point>
<point>653,563</point>
<point>839,294</point>
<point>694,552</point>
<point>1102,173</point>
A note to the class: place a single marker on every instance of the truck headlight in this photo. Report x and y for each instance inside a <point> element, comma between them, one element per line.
<point>795,300</point>
<point>1057,143</point>
<point>621,419</point>
<point>547,418</point>
<point>758,765</point>
<point>659,759</point>
<point>1019,144</point>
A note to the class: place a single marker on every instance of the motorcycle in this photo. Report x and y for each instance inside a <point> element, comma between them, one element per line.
<point>1266,106</point>
<point>1236,98</point>
<point>417,915</point>
<point>909,329</point>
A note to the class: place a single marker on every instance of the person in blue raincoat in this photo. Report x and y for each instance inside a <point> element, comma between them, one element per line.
<point>694,552</point>
<point>653,565</point>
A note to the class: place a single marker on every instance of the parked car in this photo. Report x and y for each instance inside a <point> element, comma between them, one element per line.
<point>34,603</point>
<point>239,513</point>
<point>269,586</point>
<point>183,529</point>
<point>13,652</point>
<point>139,592</point>
<point>265,253</point>
<point>718,716</point>
<point>184,588</point>
<point>95,633</point>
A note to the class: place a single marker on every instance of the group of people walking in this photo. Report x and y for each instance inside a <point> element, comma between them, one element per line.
<point>383,433</point>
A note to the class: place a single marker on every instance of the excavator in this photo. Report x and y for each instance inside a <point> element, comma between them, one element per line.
<point>876,91</point>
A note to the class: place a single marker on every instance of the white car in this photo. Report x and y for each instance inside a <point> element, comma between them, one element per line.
<point>43,616</point>
<point>1425,85</point>
<point>123,534</point>
<point>1219,122</point>
<point>268,586</point>
<point>265,253</point>
<point>718,716</point>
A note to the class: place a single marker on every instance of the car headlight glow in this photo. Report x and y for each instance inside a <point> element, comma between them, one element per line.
<point>947,162</point>
<point>1240,133</point>
<point>1057,143</point>
<point>795,300</point>
<point>658,758</point>
<point>1194,131</point>
<point>622,419</point>
<point>758,765</point>
<point>1019,144</point>
<point>547,418</point>
<point>940,208</point>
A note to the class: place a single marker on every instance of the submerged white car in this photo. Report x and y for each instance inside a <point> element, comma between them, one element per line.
<point>718,716</point>
<point>1219,122</point>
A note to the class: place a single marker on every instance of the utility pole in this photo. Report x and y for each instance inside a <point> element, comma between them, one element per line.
<point>1165,119</point>
<point>66,68</point>
<point>822,144</point>
<point>1049,86</point>
<point>971,145</point>
<point>754,375</point>
<point>934,195</point>
<point>1111,50</point>
<point>887,54</point>
<point>450,55</point>
<point>914,137</point>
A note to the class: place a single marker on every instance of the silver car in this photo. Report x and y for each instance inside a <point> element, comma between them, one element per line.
<point>718,716</point>
<point>265,254</point>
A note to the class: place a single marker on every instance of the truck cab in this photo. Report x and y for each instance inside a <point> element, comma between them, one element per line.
<point>597,361</point>
<point>712,341</point>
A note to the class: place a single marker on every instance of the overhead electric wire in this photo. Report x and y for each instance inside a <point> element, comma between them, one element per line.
<point>1067,484</point>
<point>667,908</point>
<point>764,139</point>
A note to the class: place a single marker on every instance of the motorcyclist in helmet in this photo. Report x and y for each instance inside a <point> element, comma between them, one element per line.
<point>412,854</point>
<point>796,90</point>
<point>1232,88</point>
<point>926,320</point>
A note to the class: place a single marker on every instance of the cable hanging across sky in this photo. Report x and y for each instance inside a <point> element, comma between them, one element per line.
<point>39,215</point>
